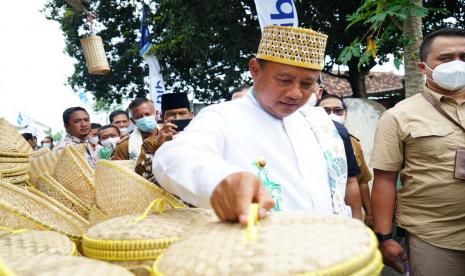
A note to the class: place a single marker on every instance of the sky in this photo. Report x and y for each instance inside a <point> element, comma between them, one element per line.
<point>34,67</point>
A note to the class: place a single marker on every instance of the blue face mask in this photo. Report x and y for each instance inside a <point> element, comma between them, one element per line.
<point>146,124</point>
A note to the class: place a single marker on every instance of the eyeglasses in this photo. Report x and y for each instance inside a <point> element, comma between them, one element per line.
<point>336,110</point>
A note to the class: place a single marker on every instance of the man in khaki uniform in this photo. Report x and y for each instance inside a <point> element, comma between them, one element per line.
<point>417,141</point>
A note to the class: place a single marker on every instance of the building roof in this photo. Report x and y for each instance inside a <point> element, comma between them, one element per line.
<point>375,82</point>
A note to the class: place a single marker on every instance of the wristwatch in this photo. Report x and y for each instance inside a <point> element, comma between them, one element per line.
<point>383,237</point>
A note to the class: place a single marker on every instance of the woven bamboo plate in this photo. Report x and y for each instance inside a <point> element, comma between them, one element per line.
<point>16,179</point>
<point>120,191</point>
<point>79,220</point>
<point>22,209</point>
<point>13,159</point>
<point>36,242</point>
<point>43,164</point>
<point>75,174</point>
<point>135,237</point>
<point>43,264</point>
<point>11,142</point>
<point>40,152</point>
<point>7,168</point>
<point>16,173</point>
<point>291,243</point>
<point>49,186</point>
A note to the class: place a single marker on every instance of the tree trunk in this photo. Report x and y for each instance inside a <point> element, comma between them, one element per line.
<point>412,31</point>
<point>357,80</point>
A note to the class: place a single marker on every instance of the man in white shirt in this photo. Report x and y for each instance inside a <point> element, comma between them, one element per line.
<point>258,148</point>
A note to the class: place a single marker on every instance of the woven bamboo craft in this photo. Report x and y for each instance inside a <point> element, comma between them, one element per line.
<point>41,152</point>
<point>95,56</point>
<point>75,174</point>
<point>11,168</point>
<point>50,265</point>
<point>22,209</point>
<point>120,191</point>
<point>36,242</point>
<point>12,144</point>
<point>294,46</point>
<point>82,222</point>
<point>291,243</point>
<point>49,186</point>
<point>43,164</point>
<point>137,238</point>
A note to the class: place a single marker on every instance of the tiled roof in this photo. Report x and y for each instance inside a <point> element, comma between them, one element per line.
<point>375,82</point>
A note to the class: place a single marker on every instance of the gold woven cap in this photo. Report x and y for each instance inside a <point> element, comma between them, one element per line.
<point>293,46</point>
<point>291,243</point>
<point>36,242</point>
<point>50,265</point>
<point>11,142</point>
<point>120,191</point>
<point>132,238</point>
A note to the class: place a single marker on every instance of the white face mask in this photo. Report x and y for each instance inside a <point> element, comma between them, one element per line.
<point>123,131</point>
<point>46,145</point>
<point>337,118</point>
<point>449,75</point>
<point>93,140</point>
<point>312,100</point>
<point>110,143</point>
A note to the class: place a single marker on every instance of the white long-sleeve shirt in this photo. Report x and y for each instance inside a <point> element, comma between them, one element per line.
<point>227,138</point>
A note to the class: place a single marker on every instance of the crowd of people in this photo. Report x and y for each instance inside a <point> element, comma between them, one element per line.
<point>282,143</point>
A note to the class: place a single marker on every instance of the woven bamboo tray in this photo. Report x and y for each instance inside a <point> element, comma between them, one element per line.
<point>11,142</point>
<point>292,243</point>
<point>43,164</point>
<point>17,179</point>
<point>136,238</point>
<point>14,159</point>
<point>49,186</point>
<point>40,152</point>
<point>8,168</point>
<point>120,191</point>
<point>22,209</point>
<point>75,174</point>
<point>36,242</point>
<point>43,264</point>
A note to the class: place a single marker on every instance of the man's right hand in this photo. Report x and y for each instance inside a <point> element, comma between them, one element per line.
<point>166,133</point>
<point>393,254</point>
<point>231,199</point>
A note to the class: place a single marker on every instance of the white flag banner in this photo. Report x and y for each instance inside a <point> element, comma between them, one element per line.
<point>157,86</point>
<point>276,12</point>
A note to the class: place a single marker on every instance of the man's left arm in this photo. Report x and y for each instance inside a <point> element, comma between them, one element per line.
<point>353,198</point>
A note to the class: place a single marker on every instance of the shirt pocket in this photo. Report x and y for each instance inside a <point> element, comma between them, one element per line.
<point>430,142</point>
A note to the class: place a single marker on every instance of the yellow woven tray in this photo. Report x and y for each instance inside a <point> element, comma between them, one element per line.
<point>120,191</point>
<point>8,168</point>
<point>11,142</point>
<point>21,242</point>
<point>22,209</point>
<point>292,243</point>
<point>135,237</point>
<point>49,186</point>
<point>75,174</point>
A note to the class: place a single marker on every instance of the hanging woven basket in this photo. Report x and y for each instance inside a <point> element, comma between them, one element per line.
<point>94,54</point>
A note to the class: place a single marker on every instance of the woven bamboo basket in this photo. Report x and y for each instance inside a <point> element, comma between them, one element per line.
<point>49,186</point>
<point>11,142</point>
<point>51,265</point>
<point>133,239</point>
<point>36,242</point>
<point>43,164</point>
<point>75,174</point>
<point>40,152</point>
<point>120,191</point>
<point>17,179</point>
<point>130,164</point>
<point>292,243</point>
<point>22,209</point>
<point>96,215</point>
<point>95,56</point>
<point>14,159</point>
<point>79,220</point>
<point>9,168</point>
<point>17,172</point>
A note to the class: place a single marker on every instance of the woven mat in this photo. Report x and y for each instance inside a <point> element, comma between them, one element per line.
<point>42,264</point>
<point>11,142</point>
<point>120,191</point>
<point>288,244</point>
<point>37,242</point>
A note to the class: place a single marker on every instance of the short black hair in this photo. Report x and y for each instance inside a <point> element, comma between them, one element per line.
<point>27,136</point>
<point>95,125</point>
<point>67,113</point>
<point>48,137</point>
<point>107,127</point>
<point>116,113</point>
<point>237,89</point>
<point>137,102</point>
<point>428,40</point>
<point>329,96</point>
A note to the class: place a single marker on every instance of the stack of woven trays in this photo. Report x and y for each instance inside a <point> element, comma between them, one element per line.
<point>15,153</point>
<point>47,253</point>
<point>135,241</point>
<point>287,243</point>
